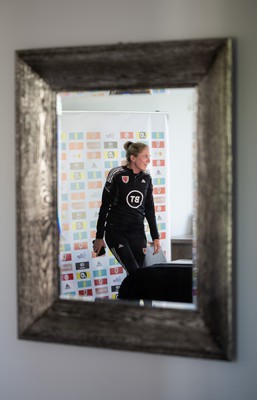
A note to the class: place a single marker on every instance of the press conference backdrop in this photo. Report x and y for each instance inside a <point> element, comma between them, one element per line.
<point>89,145</point>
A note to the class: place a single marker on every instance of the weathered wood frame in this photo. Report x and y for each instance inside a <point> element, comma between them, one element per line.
<point>42,316</point>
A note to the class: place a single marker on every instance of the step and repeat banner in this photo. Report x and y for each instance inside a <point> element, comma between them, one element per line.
<point>89,145</point>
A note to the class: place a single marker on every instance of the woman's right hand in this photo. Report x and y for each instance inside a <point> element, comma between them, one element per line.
<point>98,244</point>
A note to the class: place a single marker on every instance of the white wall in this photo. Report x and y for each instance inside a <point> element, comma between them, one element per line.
<point>30,371</point>
<point>179,104</point>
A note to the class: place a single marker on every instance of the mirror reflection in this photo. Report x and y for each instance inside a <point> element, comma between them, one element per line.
<point>92,130</point>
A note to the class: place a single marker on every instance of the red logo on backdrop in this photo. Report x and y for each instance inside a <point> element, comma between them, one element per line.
<point>66,257</point>
<point>159,190</point>
<point>102,281</point>
<point>126,135</point>
<point>116,270</point>
<point>85,292</point>
<point>125,179</point>
<point>67,277</point>
<point>101,290</point>
<point>162,235</point>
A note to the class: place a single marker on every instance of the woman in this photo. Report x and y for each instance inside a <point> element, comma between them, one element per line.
<point>126,200</point>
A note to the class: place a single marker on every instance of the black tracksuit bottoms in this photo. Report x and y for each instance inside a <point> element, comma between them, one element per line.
<point>127,246</point>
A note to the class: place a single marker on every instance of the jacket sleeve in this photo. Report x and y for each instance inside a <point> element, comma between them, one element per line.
<point>150,212</point>
<point>105,207</point>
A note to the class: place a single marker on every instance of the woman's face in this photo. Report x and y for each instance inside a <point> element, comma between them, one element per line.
<point>140,162</point>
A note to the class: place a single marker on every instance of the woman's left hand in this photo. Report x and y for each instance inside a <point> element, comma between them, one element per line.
<point>156,246</point>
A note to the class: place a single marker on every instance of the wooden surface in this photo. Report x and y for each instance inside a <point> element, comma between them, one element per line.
<point>37,234</point>
<point>122,326</point>
<point>133,65</point>
<point>181,247</point>
<point>207,332</point>
<point>214,214</point>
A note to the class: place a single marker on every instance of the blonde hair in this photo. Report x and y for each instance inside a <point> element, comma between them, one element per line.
<point>133,149</point>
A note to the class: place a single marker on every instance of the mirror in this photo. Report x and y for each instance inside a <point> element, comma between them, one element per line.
<point>92,129</point>
<point>40,74</point>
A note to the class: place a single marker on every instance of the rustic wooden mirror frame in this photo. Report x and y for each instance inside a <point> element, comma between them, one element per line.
<point>42,316</point>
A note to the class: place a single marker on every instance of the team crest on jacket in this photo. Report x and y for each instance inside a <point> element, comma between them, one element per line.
<point>125,179</point>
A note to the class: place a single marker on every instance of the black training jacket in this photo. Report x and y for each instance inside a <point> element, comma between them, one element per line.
<point>126,200</point>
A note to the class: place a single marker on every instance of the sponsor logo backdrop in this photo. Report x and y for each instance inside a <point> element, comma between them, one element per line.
<point>89,145</point>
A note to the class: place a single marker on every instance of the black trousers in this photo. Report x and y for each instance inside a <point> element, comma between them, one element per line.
<point>127,246</point>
